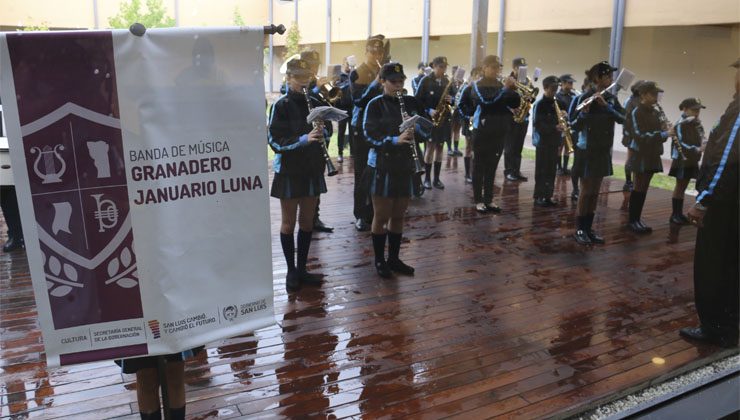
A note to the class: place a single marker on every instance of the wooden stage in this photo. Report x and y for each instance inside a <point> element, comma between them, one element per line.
<point>506,316</point>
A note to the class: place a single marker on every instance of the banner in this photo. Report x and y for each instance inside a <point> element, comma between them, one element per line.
<point>144,198</point>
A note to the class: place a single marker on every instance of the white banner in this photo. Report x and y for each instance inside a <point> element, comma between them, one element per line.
<point>144,198</point>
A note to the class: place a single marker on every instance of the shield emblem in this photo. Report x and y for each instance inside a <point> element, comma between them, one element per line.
<point>76,170</point>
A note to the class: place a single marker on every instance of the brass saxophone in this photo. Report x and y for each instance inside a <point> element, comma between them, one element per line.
<point>567,135</point>
<point>331,170</point>
<point>443,107</point>
<point>527,95</point>
<point>418,167</point>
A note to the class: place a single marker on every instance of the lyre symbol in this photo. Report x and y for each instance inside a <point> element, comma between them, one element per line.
<point>106,214</point>
<point>50,174</point>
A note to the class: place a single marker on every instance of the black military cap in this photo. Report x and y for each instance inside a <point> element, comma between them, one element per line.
<point>549,81</point>
<point>736,64</point>
<point>439,61</point>
<point>648,87</point>
<point>635,89</point>
<point>519,61</point>
<point>392,72</point>
<point>421,65</point>
<point>600,69</point>
<point>690,103</point>
<point>567,78</point>
<point>310,56</point>
<point>492,60</point>
<point>298,67</point>
<point>375,43</point>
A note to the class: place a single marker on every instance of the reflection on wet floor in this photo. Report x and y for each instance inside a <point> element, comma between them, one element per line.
<point>506,315</point>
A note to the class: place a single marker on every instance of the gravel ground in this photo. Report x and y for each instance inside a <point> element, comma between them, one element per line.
<point>658,393</point>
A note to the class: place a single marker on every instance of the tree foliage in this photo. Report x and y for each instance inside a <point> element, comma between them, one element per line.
<point>43,26</point>
<point>153,15</point>
<point>292,40</point>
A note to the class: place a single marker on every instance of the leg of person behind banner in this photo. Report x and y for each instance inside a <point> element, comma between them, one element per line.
<point>162,372</point>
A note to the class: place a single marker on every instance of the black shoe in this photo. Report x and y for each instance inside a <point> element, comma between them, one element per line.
<point>438,184</point>
<point>361,225</point>
<point>399,267</point>
<point>319,226</point>
<point>512,178</point>
<point>679,219</point>
<point>645,227</point>
<point>450,153</point>
<point>468,180</point>
<point>560,171</point>
<point>566,171</point>
<point>520,177</point>
<point>548,202</point>
<point>582,237</point>
<point>292,282</point>
<point>539,202</point>
<point>427,185</point>
<point>383,270</point>
<point>493,208</point>
<point>595,238</point>
<point>310,279</point>
<point>636,227</point>
<point>698,334</point>
<point>458,153</point>
<point>481,208</point>
<point>14,243</point>
<point>627,187</point>
<point>574,196</point>
<point>419,192</point>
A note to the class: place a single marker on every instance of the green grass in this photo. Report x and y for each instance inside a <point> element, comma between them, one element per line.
<point>661,181</point>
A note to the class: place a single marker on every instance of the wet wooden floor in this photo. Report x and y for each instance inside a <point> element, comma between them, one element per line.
<point>506,316</point>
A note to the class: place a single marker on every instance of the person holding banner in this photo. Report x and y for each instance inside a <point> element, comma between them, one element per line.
<point>299,170</point>
<point>390,166</point>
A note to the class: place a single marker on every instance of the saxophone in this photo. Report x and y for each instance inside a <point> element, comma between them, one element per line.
<point>567,135</point>
<point>527,95</point>
<point>443,108</point>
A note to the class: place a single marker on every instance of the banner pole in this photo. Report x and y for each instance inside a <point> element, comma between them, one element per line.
<point>162,373</point>
<point>139,30</point>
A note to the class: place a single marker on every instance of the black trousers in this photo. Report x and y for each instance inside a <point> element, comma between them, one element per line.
<point>513,148</point>
<point>545,169</point>
<point>9,205</point>
<point>487,148</point>
<point>716,270</point>
<point>342,139</point>
<point>363,206</point>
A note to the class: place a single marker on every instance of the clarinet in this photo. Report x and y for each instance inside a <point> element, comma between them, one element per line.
<point>330,169</point>
<point>666,125</point>
<point>418,167</point>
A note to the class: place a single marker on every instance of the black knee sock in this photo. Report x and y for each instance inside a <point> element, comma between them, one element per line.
<point>427,171</point>
<point>177,413</point>
<point>566,157</point>
<point>677,206</point>
<point>637,200</point>
<point>466,160</point>
<point>157,415</point>
<point>286,240</point>
<point>581,223</point>
<point>379,246</point>
<point>304,243</point>
<point>589,221</point>
<point>394,246</point>
<point>574,181</point>
<point>437,169</point>
<point>457,145</point>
